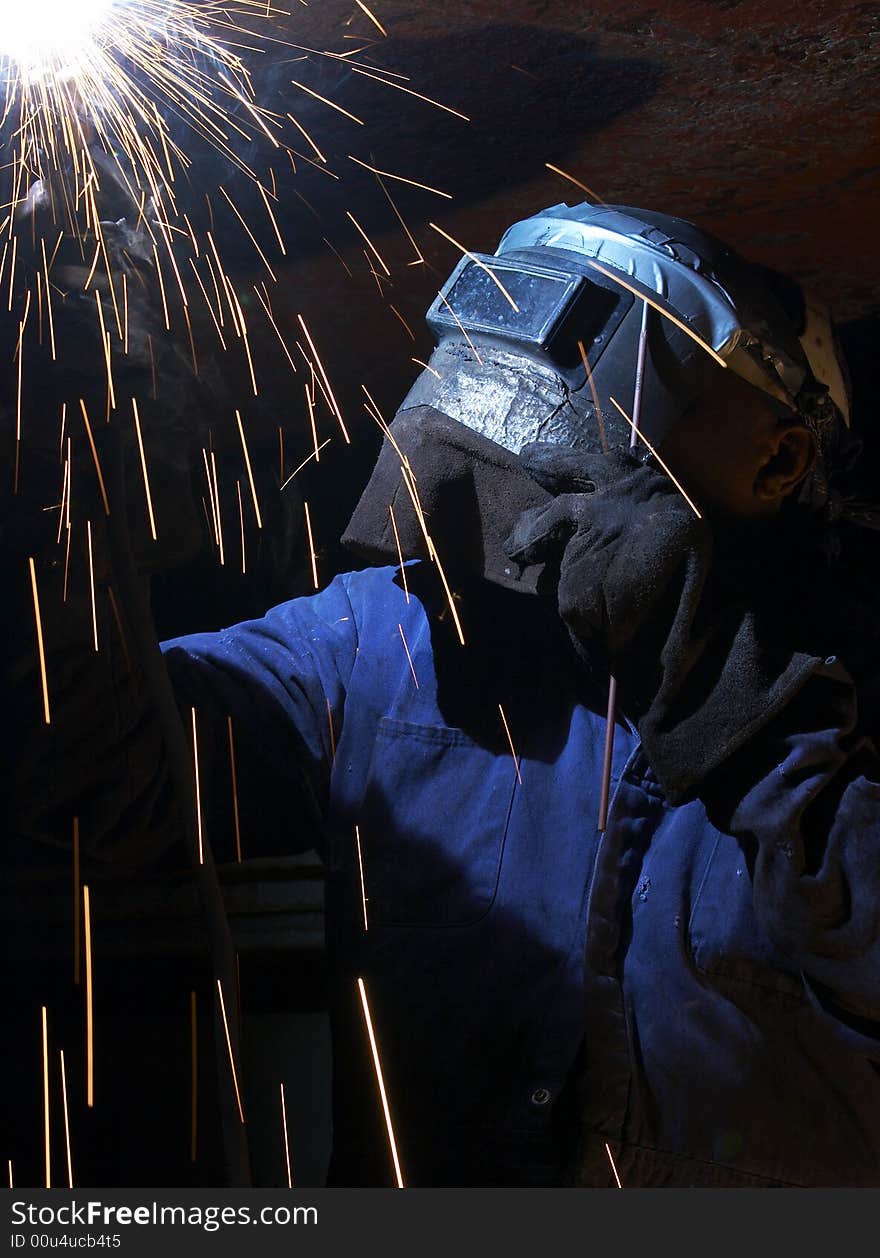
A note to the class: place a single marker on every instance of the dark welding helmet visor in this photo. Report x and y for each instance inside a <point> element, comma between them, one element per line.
<point>540,341</point>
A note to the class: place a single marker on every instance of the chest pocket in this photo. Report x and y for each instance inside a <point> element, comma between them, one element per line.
<point>433,823</point>
<point>726,938</point>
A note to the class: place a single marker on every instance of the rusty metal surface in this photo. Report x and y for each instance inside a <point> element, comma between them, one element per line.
<point>757,121</point>
<point>760,121</point>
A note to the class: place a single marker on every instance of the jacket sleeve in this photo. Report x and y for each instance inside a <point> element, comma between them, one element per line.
<point>804,799</point>
<point>104,758</point>
<point>278,687</point>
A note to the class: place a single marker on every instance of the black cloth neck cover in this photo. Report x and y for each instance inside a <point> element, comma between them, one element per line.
<point>470,491</point>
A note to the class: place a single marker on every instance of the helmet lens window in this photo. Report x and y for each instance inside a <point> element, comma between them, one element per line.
<point>540,309</point>
<point>523,305</point>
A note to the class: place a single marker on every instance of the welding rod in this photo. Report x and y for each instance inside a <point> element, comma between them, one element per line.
<point>611,715</point>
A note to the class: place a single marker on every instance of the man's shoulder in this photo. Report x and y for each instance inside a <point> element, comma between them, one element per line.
<point>393,590</point>
<point>374,579</point>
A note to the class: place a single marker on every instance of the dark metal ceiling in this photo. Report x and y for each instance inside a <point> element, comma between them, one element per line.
<point>757,121</point>
<point>760,121</point>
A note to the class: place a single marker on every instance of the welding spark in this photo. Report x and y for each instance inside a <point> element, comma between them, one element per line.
<point>267,306</point>
<point>90,1029</point>
<point>381,1082</point>
<point>89,90</point>
<point>450,599</point>
<point>65,482</point>
<point>46,1129</point>
<point>103,68</point>
<point>408,656</point>
<point>399,551</point>
<point>234,791</point>
<point>92,585</point>
<point>312,556</point>
<point>482,265</point>
<point>409,481</point>
<point>48,300</point>
<point>600,419</point>
<point>249,233</point>
<point>325,101</point>
<point>666,469</point>
<point>357,839</point>
<point>512,748</point>
<point>140,441</point>
<point>605,787</point>
<point>387,81</point>
<point>360,4</point>
<point>229,1048</point>
<point>40,647</point>
<point>427,367</point>
<point>413,183</point>
<point>332,400</point>
<point>613,1167</point>
<point>617,278</point>
<point>67,561</point>
<point>211,498</point>
<point>197,787</point>
<point>462,329</point>
<point>420,257</point>
<point>272,218</point>
<point>370,244</point>
<point>331,731</point>
<point>314,455</point>
<point>95,459</point>
<point>320,156</point>
<point>77,902</point>
<point>571,179</point>
<point>217,500</point>
<point>409,331</point>
<point>247,461</point>
<point>66,1122</point>
<point>310,407</point>
<point>44,30</point>
<point>241,524</point>
<point>286,1141</point>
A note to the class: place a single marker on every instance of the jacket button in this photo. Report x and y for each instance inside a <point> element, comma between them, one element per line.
<point>540,1096</point>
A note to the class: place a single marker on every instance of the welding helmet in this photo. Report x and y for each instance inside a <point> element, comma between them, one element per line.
<point>535,340</point>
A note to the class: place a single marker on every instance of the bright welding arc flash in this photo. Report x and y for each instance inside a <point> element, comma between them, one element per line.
<point>45,35</point>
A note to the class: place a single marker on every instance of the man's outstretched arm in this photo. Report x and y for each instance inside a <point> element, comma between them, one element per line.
<point>277,687</point>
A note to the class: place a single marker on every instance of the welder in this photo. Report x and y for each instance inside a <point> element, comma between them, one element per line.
<point>635,941</point>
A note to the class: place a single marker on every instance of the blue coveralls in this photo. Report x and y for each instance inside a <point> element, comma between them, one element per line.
<point>699,1001</point>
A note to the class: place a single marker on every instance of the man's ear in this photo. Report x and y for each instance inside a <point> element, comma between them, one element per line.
<point>790,456</point>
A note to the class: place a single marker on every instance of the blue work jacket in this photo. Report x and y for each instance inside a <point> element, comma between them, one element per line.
<point>544,998</point>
